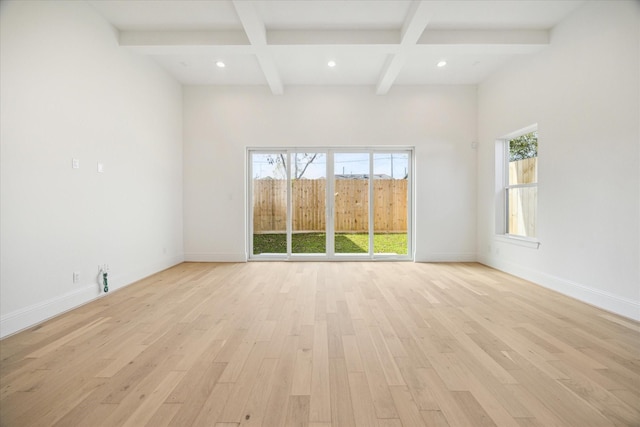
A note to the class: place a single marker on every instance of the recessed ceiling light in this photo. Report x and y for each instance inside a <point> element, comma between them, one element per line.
<point>442,64</point>
<point>220,64</point>
<point>331,64</point>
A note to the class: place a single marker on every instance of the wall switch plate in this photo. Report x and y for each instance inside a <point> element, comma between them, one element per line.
<point>76,276</point>
<point>75,163</point>
<point>100,167</point>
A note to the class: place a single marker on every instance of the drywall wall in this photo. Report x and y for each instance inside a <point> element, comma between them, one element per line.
<point>220,122</point>
<point>583,92</point>
<point>68,91</point>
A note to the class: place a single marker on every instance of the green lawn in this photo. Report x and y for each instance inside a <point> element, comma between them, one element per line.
<point>314,243</point>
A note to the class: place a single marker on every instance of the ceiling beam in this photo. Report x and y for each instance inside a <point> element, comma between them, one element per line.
<point>390,38</point>
<point>333,37</point>
<point>484,37</point>
<point>390,71</point>
<point>257,34</point>
<point>458,42</point>
<point>186,42</point>
<point>182,38</point>
<point>417,20</point>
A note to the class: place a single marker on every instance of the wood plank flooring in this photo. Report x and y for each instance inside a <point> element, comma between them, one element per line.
<point>325,344</point>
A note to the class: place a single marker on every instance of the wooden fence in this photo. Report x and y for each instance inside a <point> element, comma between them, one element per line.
<point>351,205</point>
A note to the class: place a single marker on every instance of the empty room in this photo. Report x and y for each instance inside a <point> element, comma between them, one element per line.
<point>319,213</point>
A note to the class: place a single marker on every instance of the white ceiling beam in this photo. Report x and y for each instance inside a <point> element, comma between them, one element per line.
<point>333,37</point>
<point>389,38</point>
<point>446,50</point>
<point>186,42</point>
<point>417,20</point>
<point>182,38</point>
<point>209,50</point>
<point>390,71</point>
<point>257,34</point>
<point>484,37</point>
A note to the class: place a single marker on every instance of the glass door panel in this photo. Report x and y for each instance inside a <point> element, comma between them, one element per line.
<point>308,202</point>
<point>351,202</point>
<point>269,207</point>
<point>390,203</point>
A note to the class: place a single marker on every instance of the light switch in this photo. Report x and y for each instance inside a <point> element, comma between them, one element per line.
<point>100,167</point>
<point>75,163</point>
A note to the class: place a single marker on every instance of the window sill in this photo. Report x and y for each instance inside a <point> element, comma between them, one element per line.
<point>518,241</point>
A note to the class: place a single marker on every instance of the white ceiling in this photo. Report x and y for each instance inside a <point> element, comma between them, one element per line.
<point>374,42</point>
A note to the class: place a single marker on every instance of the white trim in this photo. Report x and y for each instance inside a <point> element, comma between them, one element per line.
<point>517,240</point>
<point>329,151</point>
<point>511,186</point>
<point>520,132</point>
<point>371,201</point>
<point>32,315</point>
<point>215,257</point>
<point>595,297</point>
<point>337,258</point>
<point>289,190</point>
<point>503,174</point>
<point>330,202</point>
<point>26,317</point>
<point>447,257</point>
<point>248,204</point>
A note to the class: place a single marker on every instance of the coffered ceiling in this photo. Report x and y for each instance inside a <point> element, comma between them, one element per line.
<point>372,42</point>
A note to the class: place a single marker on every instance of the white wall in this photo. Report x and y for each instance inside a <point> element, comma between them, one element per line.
<point>583,91</point>
<point>68,91</point>
<point>220,122</point>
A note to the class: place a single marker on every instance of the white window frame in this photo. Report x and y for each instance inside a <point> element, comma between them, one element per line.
<point>503,187</point>
<point>330,255</point>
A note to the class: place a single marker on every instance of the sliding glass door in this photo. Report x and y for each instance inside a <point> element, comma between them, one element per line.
<point>308,186</point>
<point>391,203</point>
<point>351,172</point>
<point>269,212</point>
<point>329,203</point>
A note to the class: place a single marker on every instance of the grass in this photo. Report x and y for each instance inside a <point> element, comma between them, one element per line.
<point>314,243</point>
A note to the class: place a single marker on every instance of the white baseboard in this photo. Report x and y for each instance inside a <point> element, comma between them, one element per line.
<point>596,297</point>
<point>24,318</point>
<point>446,257</point>
<point>215,257</point>
<point>27,317</point>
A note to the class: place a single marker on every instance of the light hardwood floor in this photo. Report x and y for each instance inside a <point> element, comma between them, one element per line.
<point>325,344</point>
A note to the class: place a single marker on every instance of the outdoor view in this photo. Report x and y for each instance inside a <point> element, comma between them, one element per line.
<point>350,201</point>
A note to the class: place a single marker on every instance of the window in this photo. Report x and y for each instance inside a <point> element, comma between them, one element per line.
<point>521,184</point>
<point>329,203</point>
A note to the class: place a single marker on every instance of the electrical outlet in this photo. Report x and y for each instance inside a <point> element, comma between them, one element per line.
<point>76,276</point>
